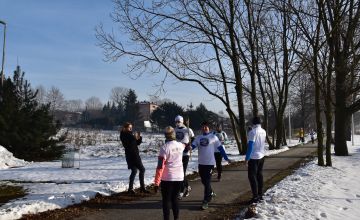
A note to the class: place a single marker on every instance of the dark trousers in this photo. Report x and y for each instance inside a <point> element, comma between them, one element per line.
<point>218,159</point>
<point>185,162</point>
<point>205,175</point>
<point>134,169</point>
<point>169,193</point>
<point>255,176</point>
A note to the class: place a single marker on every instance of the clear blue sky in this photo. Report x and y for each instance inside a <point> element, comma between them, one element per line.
<point>54,41</point>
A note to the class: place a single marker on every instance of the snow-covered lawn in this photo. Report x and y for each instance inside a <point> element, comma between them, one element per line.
<point>314,192</point>
<point>103,169</point>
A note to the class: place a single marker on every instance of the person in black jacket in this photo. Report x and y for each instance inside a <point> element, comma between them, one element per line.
<point>130,143</point>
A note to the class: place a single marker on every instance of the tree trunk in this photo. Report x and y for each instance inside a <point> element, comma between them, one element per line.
<point>235,130</point>
<point>342,116</point>
<point>320,134</point>
<point>279,131</point>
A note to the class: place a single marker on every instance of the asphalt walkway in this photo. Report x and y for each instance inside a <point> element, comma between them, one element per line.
<point>233,185</point>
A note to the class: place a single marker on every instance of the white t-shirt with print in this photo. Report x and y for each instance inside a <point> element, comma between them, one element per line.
<point>184,135</point>
<point>206,145</point>
<point>172,153</point>
<point>258,136</point>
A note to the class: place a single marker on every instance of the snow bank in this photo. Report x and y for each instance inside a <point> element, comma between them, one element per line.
<point>7,159</point>
<point>315,192</point>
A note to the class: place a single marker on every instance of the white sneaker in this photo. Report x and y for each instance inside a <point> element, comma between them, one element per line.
<point>180,196</point>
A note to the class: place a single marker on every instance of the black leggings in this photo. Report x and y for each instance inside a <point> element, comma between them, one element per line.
<point>185,161</point>
<point>134,169</point>
<point>169,192</point>
<point>205,174</point>
<point>218,159</point>
<point>255,176</point>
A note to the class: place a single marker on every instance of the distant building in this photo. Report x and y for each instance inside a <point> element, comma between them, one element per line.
<point>145,109</point>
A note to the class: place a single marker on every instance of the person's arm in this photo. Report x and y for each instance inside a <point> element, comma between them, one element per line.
<point>194,144</point>
<point>251,138</point>
<point>225,137</point>
<point>160,166</point>
<point>222,152</point>
<point>159,170</point>
<point>139,141</point>
<point>249,150</point>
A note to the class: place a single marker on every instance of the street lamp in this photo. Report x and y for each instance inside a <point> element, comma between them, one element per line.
<point>289,125</point>
<point>3,54</point>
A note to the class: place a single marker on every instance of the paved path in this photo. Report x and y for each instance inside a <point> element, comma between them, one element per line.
<point>234,184</point>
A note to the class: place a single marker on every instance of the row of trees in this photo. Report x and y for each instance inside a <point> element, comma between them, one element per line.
<point>57,101</point>
<point>243,51</point>
<point>123,108</point>
<point>165,114</point>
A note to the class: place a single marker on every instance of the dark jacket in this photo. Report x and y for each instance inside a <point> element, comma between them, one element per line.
<point>131,148</point>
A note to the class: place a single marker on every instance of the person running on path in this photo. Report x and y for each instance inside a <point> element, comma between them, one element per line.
<point>301,135</point>
<point>255,159</point>
<point>169,173</point>
<point>206,144</point>
<point>312,135</point>
<point>133,160</point>
<point>184,135</point>
<point>218,157</point>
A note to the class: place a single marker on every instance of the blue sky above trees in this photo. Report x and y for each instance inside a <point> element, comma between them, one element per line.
<point>54,43</point>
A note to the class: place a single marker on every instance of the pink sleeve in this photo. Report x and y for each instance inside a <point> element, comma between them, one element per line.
<point>159,171</point>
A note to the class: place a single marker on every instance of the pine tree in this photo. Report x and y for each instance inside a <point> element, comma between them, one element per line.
<point>131,107</point>
<point>27,128</point>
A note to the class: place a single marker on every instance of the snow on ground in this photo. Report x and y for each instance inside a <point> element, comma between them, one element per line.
<point>99,168</point>
<point>314,192</point>
<point>7,159</point>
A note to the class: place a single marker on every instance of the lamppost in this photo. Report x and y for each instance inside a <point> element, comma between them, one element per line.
<point>3,54</point>
<point>289,125</point>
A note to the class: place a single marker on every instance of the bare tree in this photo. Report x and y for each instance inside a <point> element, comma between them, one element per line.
<point>191,40</point>
<point>340,20</point>
<point>280,63</point>
<point>74,105</point>
<point>55,98</point>
<point>93,103</point>
<point>41,94</point>
<point>117,94</point>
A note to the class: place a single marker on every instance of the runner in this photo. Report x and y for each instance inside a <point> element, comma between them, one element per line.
<point>218,157</point>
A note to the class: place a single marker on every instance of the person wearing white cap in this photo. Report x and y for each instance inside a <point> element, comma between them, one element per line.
<point>184,135</point>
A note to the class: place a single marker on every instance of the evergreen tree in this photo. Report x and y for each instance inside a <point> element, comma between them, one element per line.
<point>26,128</point>
<point>131,108</point>
<point>166,114</point>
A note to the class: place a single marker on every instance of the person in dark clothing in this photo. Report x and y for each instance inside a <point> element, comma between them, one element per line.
<point>133,160</point>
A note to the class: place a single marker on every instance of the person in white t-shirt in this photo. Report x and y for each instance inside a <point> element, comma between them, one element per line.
<point>206,145</point>
<point>218,157</point>
<point>184,135</point>
<point>255,159</point>
<point>169,173</point>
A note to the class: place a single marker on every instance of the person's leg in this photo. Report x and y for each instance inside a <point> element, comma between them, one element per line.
<point>252,173</point>
<point>259,177</point>
<point>205,174</point>
<point>166,198</point>
<point>176,185</point>
<point>141,168</point>
<point>185,161</point>
<point>218,159</point>
<point>132,177</point>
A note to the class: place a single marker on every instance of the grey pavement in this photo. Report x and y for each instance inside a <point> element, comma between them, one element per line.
<point>233,185</point>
